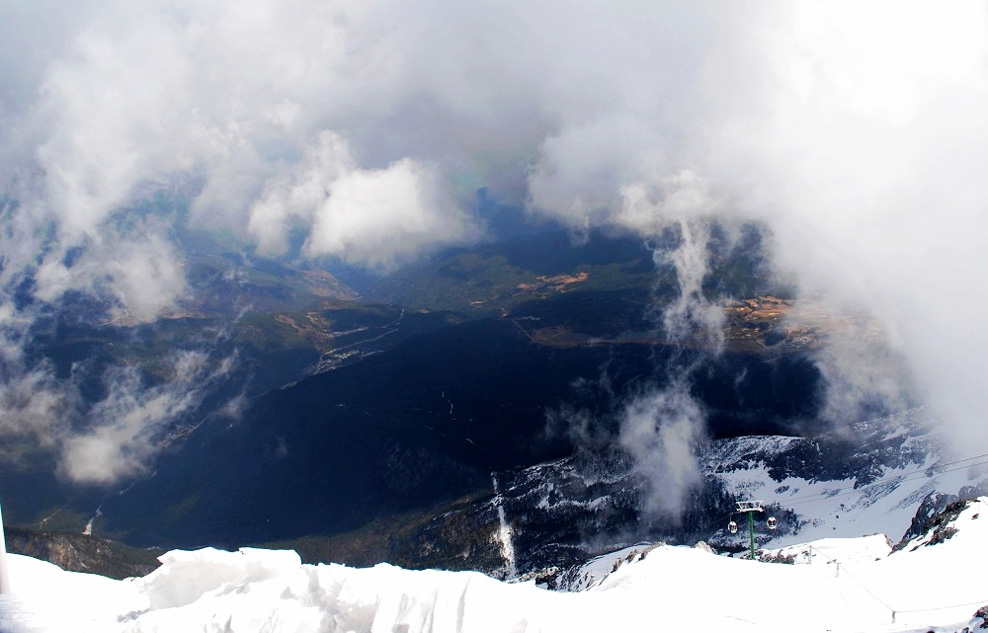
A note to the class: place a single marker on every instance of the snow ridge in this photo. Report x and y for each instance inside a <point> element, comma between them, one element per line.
<point>844,585</point>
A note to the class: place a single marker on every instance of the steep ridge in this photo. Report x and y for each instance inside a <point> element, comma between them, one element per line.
<point>867,478</point>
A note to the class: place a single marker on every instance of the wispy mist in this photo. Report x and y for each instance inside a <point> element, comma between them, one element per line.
<point>662,426</point>
<point>855,132</point>
<point>128,427</point>
<point>115,437</point>
<point>660,431</point>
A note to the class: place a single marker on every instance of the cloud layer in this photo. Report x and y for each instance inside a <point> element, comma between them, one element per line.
<point>855,131</point>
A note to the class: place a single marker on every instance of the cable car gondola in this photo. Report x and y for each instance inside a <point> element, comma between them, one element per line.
<point>732,527</point>
<point>772,523</point>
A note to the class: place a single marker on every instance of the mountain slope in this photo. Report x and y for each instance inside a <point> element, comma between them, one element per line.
<point>410,430</point>
<point>864,479</point>
<point>83,553</point>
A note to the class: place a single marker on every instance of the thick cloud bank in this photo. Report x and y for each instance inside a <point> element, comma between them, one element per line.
<point>854,131</point>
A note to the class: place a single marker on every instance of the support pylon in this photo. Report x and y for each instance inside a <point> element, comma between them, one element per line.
<point>4,577</point>
<point>751,533</point>
<point>750,507</point>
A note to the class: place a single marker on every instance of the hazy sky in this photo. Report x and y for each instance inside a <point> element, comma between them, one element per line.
<point>855,130</point>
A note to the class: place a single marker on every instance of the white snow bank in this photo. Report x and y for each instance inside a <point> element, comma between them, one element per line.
<point>184,577</point>
<point>828,550</point>
<point>596,569</point>
<point>46,598</point>
<point>668,588</point>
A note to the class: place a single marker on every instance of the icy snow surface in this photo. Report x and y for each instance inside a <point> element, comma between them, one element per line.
<point>826,507</point>
<point>669,588</point>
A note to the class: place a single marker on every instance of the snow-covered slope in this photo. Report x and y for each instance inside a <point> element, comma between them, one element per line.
<point>866,479</point>
<point>863,479</point>
<point>847,585</point>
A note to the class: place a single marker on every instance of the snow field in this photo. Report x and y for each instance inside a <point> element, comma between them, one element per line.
<point>838,508</point>
<point>670,589</point>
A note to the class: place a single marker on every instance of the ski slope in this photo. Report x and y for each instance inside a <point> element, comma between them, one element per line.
<point>852,584</point>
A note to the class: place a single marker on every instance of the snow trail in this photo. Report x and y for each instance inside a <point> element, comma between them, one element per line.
<point>504,534</point>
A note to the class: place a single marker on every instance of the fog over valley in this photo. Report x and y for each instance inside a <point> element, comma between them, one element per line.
<point>493,286</point>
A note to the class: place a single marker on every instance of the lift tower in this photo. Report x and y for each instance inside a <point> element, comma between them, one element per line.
<point>749,508</point>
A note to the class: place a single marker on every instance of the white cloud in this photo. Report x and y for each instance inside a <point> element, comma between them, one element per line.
<point>124,430</point>
<point>35,406</point>
<point>855,131</point>
<point>118,436</point>
<point>370,217</point>
<point>379,217</point>
<point>660,431</point>
<point>298,195</point>
<point>861,145</point>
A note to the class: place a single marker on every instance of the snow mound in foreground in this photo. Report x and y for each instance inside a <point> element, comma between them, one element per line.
<point>843,588</point>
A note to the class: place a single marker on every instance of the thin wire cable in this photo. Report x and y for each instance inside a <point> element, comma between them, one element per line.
<point>936,469</point>
<point>898,479</point>
<point>849,490</point>
<point>847,572</point>
<point>953,606</point>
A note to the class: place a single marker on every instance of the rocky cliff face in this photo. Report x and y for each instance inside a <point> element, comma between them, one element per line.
<point>867,478</point>
<point>81,553</point>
